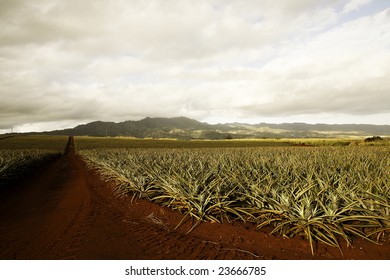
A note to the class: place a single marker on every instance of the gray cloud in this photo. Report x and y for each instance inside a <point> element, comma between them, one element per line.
<point>73,61</point>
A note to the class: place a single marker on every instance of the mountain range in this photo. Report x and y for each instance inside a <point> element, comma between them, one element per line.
<point>185,128</point>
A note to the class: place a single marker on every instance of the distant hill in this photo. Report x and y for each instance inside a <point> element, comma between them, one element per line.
<point>185,128</point>
<point>149,127</point>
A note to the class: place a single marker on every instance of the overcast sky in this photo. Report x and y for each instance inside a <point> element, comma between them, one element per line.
<point>66,62</point>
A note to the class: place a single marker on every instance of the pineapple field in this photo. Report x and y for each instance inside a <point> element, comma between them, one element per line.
<point>124,198</point>
<point>328,193</point>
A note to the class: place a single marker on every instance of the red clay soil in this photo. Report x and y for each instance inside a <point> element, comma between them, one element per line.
<point>64,211</point>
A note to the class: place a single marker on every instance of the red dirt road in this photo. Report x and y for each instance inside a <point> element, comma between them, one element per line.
<point>64,211</point>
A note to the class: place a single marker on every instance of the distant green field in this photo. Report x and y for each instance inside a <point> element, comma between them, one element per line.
<point>123,142</point>
<point>46,142</point>
<point>85,142</point>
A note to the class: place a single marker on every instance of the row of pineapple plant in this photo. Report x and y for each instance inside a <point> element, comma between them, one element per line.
<point>21,153</point>
<point>15,163</point>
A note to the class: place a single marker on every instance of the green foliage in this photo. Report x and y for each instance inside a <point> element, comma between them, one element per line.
<point>373,139</point>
